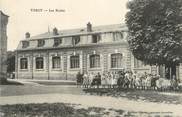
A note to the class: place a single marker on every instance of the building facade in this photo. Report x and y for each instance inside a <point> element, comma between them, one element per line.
<point>62,54</point>
<point>3,43</point>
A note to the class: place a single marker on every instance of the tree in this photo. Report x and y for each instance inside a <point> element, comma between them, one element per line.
<point>10,62</point>
<point>155,31</point>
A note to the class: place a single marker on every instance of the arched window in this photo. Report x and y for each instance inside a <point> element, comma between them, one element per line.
<point>39,63</point>
<point>94,61</point>
<point>23,63</point>
<point>74,61</point>
<point>56,62</point>
<point>116,60</point>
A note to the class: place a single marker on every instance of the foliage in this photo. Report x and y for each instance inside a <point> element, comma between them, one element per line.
<point>155,31</point>
<point>10,62</point>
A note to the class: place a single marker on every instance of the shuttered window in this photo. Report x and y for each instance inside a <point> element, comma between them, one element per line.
<point>39,63</point>
<point>116,60</point>
<point>74,61</point>
<point>23,63</point>
<point>56,62</point>
<point>94,61</point>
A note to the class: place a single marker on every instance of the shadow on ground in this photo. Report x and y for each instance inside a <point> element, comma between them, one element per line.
<point>142,95</point>
<point>67,110</point>
<point>4,81</point>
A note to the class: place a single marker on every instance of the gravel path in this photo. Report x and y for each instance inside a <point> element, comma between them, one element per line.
<point>96,101</point>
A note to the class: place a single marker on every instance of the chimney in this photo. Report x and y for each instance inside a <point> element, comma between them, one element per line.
<point>27,35</point>
<point>89,27</point>
<point>55,31</point>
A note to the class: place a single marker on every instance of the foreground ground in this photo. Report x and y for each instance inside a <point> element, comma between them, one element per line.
<point>69,110</point>
<point>46,100</point>
<point>171,97</point>
<point>86,101</point>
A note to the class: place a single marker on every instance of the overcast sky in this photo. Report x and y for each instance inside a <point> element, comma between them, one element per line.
<point>74,14</point>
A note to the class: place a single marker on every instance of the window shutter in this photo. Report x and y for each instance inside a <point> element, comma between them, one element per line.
<point>61,61</point>
<point>80,61</point>
<point>101,62</point>
<point>88,61</point>
<point>50,62</point>
<point>28,63</point>
<point>19,64</point>
<point>109,61</point>
<point>44,63</point>
<point>68,62</point>
<point>34,63</point>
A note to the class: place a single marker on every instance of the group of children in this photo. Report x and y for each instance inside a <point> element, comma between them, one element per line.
<point>124,79</point>
<point>107,79</point>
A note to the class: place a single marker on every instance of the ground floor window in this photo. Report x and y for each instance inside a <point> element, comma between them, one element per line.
<point>116,60</point>
<point>39,63</point>
<point>94,61</point>
<point>23,63</point>
<point>75,61</point>
<point>56,62</point>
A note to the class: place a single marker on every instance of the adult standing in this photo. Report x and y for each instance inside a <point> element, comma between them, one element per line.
<point>79,78</point>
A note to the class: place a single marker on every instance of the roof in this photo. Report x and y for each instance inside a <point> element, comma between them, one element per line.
<point>82,31</point>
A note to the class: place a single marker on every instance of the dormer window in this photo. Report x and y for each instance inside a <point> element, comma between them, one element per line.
<point>25,44</point>
<point>41,43</point>
<point>75,40</point>
<point>96,38</point>
<point>57,41</point>
<point>118,36</point>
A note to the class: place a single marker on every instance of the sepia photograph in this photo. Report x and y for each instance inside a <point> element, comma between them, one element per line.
<point>91,58</point>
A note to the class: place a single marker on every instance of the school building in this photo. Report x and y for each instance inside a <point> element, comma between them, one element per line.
<point>61,54</point>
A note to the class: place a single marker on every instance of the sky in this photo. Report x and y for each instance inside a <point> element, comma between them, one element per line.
<point>71,14</point>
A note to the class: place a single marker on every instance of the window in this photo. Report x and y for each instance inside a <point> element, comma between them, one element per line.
<point>75,40</point>
<point>138,63</point>
<point>118,36</point>
<point>57,42</point>
<point>23,63</point>
<point>74,61</point>
<point>116,60</point>
<point>96,38</point>
<point>39,63</point>
<point>94,61</point>
<point>56,62</point>
<point>41,43</point>
<point>25,44</point>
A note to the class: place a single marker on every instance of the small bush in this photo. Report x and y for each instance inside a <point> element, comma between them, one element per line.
<point>3,78</point>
